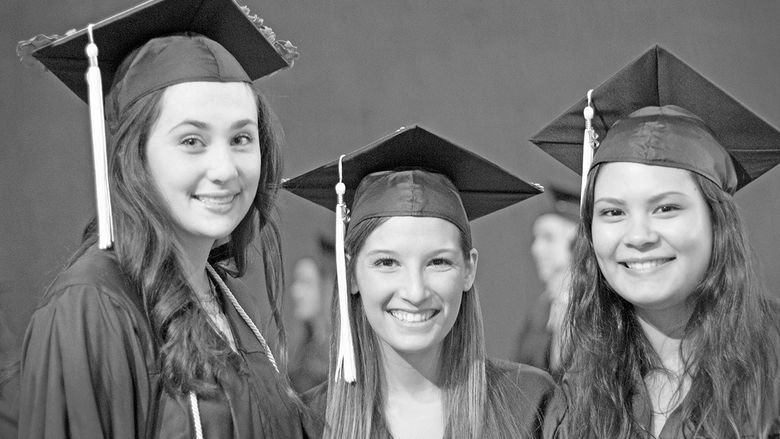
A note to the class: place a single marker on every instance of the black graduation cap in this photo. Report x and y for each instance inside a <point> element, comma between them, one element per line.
<point>483,186</point>
<point>411,172</point>
<point>172,41</point>
<point>658,78</point>
<point>244,35</point>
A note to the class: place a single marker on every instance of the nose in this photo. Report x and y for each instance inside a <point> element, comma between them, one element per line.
<point>222,166</point>
<point>415,291</point>
<point>640,233</point>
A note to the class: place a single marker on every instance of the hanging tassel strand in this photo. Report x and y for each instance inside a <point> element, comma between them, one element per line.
<point>97,124</point>
<point>589,143</point>
<point>346,356</point>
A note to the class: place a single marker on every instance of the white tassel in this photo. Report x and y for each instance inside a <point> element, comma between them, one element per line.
<point>346,356</point>
<point>589,144</point>
<point>100,161</point>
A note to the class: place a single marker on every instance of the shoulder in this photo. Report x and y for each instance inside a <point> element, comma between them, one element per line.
<point>316,398</point>
<point>531,380</point>
<point>94,283</point>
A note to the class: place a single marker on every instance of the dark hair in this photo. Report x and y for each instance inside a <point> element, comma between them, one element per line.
<point>475,402</point>
<point>732,336</point>
<point>191,353</point>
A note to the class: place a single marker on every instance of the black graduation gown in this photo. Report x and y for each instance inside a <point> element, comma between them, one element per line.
<point>675,427</point>
<point>535,389</point>
<point>534,340</point>
<point>89,369</point>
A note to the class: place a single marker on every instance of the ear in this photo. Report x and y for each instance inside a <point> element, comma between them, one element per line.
<point>353,289</point>
<point>471,269</point>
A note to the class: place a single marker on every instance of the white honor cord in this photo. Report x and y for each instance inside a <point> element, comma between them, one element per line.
<point>255,331</point>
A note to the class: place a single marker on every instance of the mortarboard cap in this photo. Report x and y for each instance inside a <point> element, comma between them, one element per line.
<point>482,186</point>
<point>171,42</point>
<point>411,172</point>
<point>693,109</point>
<point>242,34</point>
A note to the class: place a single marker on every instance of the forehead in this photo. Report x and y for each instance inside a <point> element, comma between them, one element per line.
<point>413,232</point>
<point>210,99</point>
<point>625,180</point>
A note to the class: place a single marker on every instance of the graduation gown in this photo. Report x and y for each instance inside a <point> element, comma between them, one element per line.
<point>89,368</point>
<point>534,340</point>
<point>675,427</point>
<point>535,389</point>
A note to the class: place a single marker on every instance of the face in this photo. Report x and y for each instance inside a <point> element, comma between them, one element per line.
<point>551,248</point>
<point>204,156</point>
<point>652,234</point>
<point>411,274</point>
<point>305,290</point>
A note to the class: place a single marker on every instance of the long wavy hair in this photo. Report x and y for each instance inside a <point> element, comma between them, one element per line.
<point>475,404</point>
<point>192,355</point>
<point>731,340</point>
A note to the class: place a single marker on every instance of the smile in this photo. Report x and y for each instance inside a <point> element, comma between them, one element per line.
<point>413,317</point>
<point>217,201</point>
<point>646,264</point>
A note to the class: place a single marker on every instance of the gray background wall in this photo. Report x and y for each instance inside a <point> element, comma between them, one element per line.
<point>487,74</point>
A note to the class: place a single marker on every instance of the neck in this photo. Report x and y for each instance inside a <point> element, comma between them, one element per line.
<point>665,332</point>
<point>196,256</point>
<point>410,374</point>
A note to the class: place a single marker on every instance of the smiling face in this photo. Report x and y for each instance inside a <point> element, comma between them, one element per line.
<point>652,234</point>
<point>203,154</point>
<point>411,273</point>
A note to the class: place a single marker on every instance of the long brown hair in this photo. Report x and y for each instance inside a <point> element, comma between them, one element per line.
<point>191,354</point>
<point>732,335</point>
<point>474,401</point>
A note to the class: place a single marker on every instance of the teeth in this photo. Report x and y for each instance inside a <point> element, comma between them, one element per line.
<point>412,317</point>
<point>216,200</point>
<point>645,265</point>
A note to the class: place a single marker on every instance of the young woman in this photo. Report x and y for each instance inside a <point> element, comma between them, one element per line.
<point>668,334</point>
<point>417,326</point>
<point>148,339</point>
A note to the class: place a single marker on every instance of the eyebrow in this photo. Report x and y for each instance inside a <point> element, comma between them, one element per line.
<point>205,125</point>
<point>429,254</point>
<point>653,199</point>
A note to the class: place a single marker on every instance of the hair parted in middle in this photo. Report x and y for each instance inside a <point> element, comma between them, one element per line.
<point>730,338</point>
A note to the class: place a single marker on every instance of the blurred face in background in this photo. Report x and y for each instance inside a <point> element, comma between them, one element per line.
<point>551,248</point>
<point>305,290</point>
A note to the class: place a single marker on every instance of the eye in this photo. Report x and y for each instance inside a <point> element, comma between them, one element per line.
<point>242,139</point>
<point>610,212</point>
<point>439,262</point>
<point>667,208</point>
<point>193,142</point>
<point>385,263</point>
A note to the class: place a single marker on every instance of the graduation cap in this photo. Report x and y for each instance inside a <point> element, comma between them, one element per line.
<point>688,108</point>
<point>171,42</point>
<point>411,172</point>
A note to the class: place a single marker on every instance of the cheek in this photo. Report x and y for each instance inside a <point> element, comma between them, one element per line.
<point>251,168</point>
<point>604,239</point>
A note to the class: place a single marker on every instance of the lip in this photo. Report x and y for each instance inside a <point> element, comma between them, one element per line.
<point>217,202</point>
<point>645,265</point>
<point>413,318</point>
